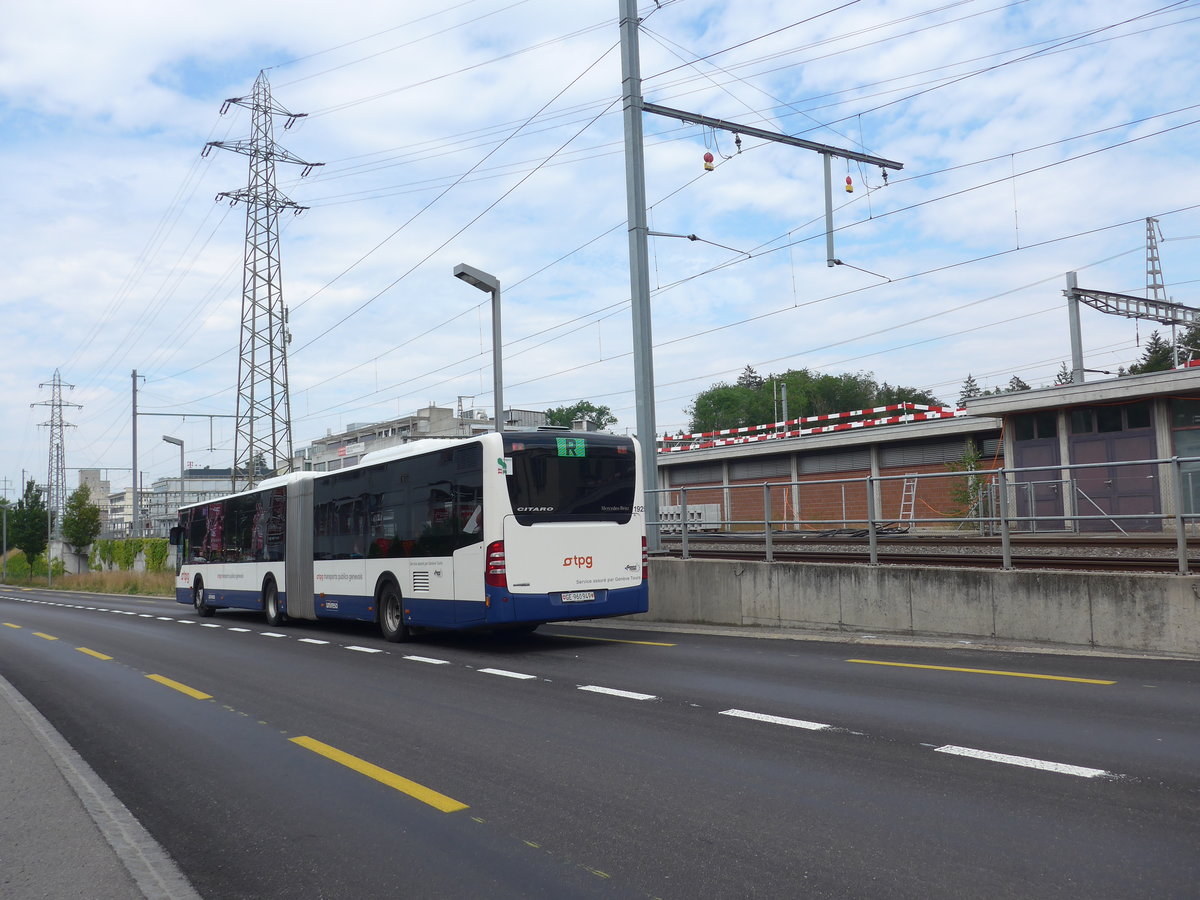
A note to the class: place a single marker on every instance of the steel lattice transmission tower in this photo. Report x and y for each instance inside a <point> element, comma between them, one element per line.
<point>56,471</point>
<point>264,418</point>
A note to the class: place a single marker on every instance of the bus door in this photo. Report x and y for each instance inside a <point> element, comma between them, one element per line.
<point>468,585</point>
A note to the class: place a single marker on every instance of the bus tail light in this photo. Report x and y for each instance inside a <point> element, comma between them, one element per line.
<point>494,574</point>
<point>645,561</point>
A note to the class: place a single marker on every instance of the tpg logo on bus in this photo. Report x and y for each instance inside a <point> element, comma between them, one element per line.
<point>579,562</point>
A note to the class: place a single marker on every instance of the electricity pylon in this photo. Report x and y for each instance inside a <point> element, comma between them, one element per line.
<point>263,439</point>
<point>56,471</point>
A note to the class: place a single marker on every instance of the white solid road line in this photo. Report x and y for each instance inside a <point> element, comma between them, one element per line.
<point>1027,762</point>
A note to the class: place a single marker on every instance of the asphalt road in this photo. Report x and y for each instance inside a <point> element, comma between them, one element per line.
<point>320,761</point>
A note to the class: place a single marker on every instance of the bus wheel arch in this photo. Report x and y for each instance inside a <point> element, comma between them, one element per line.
<point>270,603</point>
<point>199,603</point>
<point>390,610</point>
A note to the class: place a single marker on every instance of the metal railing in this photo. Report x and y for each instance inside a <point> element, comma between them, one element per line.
<point>991,501</point>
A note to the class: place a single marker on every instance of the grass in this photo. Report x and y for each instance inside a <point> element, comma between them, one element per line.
<point>150,584</point>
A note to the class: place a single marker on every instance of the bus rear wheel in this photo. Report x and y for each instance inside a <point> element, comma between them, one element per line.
<point>391,616</point>
<point>202,608</point>
<point>275,615</point>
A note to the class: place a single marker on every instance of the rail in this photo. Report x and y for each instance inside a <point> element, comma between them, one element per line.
<point>1079,498</point>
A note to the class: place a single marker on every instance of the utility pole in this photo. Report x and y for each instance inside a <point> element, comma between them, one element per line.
<point>264,416</point>
<point>639,278</point>
<point>134,516</point>
<point>56,477</point>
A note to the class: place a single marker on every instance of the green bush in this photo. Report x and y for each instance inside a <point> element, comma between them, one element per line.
<point>125,552</point>
<point>104,552</point>
<point>20,570</point>
<point>18,566</point>
<point>156,554</point>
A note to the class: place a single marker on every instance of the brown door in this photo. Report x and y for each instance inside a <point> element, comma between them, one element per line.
<point>1040,492</point>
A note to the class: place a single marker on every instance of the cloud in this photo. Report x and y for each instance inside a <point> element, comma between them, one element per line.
<point>121,260</point>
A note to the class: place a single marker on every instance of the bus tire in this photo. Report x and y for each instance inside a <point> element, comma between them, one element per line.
<point>391,613</point>
<point>270,594</point>
<point>198,602</point>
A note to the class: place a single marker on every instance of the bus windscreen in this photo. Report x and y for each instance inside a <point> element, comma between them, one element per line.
<point>570,478</point>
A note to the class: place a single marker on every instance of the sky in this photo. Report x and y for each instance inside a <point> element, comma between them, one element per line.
<point>1036,138</point>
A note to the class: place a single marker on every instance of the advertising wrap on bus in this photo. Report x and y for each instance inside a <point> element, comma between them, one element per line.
<point>512,529</point>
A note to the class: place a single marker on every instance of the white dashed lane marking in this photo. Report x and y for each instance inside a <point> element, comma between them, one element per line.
<point>506,674</point>
<point>1026,762</point>
<point>613,692</point>
<point>775,720</point>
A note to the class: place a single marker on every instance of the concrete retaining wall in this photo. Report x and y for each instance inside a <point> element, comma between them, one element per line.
<point>1155,613</point>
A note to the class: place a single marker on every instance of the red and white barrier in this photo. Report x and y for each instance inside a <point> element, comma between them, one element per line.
<point>914,412</point>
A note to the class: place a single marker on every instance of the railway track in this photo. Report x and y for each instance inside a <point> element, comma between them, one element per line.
<point>1065,552</point>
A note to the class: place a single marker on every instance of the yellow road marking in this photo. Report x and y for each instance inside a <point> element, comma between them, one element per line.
<point>48,637</point>
<point>11,625</point>
<point>92,653</point>
<point>383,776</point>
<point>581,637</point>
<point>182,688</point>
<point>876,662</point>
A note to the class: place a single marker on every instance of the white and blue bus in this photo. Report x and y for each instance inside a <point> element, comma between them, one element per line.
<point>503,530</point>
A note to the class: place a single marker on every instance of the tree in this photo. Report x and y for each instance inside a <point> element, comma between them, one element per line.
<point>889,394</point>
<point>1157,356</point>
<point>27,525</point>
<point>1065,375</point>
<point>565,415</point>
<point>81,519</point>
<point>749,378</point>
<point>1016,384</point>
<point>970,389</point>
<point>754,400</point>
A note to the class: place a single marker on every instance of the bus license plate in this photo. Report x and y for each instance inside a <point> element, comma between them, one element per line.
<point>578,596</point>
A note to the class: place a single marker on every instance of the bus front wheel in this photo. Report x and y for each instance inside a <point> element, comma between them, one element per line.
<point>391,616</point>
<point>202,608</point>
<point>275,616</point>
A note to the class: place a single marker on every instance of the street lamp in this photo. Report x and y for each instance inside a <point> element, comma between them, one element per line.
<point>178,443</point>
<point>491,284</point>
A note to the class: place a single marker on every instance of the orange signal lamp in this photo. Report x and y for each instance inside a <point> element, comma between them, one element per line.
<point>849,185</point>
<point>708,162</point>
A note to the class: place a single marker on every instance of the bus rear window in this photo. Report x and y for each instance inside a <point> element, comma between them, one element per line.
<point>570,478</point>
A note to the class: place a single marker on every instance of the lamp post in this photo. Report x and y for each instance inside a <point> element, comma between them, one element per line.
<point>178,443</point>
<point>491,284</point>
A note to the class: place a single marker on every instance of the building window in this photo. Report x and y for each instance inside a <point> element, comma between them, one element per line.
<point>1110,419</point>
<point>1032,426</point>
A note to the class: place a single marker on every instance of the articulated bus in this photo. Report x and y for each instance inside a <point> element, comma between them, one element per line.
<point>503,530</point>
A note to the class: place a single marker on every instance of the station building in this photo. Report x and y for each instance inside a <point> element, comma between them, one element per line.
<point>1068,447</point>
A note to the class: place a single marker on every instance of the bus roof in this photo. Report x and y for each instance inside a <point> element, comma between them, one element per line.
<point>266,484</point>
<point>412,448</point>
